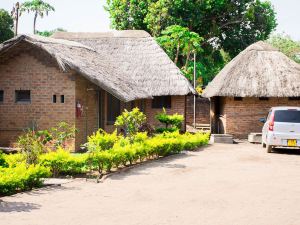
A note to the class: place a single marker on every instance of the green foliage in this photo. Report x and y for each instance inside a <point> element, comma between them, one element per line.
<point>130,121</point>
<point>31,146</point>
<point>286,45</point>
<point>21,178</point>
<point>101,141</point>
<point>38,7</point>
<point>47,33</point>
<point>226,26</point>
<point>6,26</point>
<point>62,133</point>
<point>180,41</point>
<point>61,161</point>
<point>174,120</point>
<point>3,162</point>
<point>33,143</point>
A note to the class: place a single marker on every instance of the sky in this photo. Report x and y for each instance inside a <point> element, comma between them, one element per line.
<point>89,16</point>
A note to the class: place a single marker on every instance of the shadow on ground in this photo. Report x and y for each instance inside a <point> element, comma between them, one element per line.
<point>17,206</point>
<point>286,151</point>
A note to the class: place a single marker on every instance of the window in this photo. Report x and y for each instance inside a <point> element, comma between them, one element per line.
<point>159,102</point>
<point>238,99</point>
<point>62,99</point>
<point>287,116</point>
<point>1,95</point>
<point>54,99</point>
<point>113,109</point>
<point>263,98</point>
<point>22,96</point>
<point>294,98</point>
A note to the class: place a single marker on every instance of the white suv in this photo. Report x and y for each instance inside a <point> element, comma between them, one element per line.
<point>281,128</point>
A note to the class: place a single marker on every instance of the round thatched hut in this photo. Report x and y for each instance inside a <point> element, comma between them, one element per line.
<point>257,79</point>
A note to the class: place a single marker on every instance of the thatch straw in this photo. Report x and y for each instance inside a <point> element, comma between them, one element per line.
<point>126,79</point>
<point>137,55</point>
<point>259,71</point>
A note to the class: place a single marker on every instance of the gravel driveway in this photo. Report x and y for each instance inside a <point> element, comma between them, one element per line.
<point>218,185</point>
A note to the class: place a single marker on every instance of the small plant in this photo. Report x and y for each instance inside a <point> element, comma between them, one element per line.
<point>30,146</point>
<point>130,121</point>
<point>61,134</point>
<point>171,122</point>
<point>101,141</point>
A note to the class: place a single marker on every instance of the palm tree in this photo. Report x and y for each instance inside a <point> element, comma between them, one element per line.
<point>39,8</point>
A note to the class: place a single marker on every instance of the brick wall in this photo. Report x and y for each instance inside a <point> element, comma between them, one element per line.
<point>202,110</point>
<point>242,117</point>
<point>177,106</point>
<point>28,68</point>
<point>31,69</point>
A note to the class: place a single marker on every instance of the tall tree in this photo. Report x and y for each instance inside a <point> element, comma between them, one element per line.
<point>286,45</point>
<point>6,26</point>
<point>227,26</point>
<point>38,7</point>
<point>15,13</point>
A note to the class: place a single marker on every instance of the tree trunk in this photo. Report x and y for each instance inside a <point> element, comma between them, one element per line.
<point>177,52</point>
<point>34,22</point>
<point>187,57</point>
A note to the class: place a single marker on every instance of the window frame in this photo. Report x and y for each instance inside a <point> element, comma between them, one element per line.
<point>111,102</point>
<point>159,102</point>
<point>1,96</point>
<point>22,101</point>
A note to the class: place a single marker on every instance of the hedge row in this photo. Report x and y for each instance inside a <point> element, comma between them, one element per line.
<point>18,177</point>
<point>21,178</point>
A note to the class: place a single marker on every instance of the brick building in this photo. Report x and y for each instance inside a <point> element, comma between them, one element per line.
<point>85,79</point>
<point>257,79</point>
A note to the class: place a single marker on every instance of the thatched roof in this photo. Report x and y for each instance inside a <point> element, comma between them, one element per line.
<point>259,71</point>
<point>138,57</point>
<point>105,71</point>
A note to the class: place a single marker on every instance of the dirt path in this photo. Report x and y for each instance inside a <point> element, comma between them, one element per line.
<point>220,185</point>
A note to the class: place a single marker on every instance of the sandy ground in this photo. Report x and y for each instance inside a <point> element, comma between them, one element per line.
<point>218,185</point>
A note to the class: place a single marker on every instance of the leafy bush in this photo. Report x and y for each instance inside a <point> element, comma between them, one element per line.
<point>166,130</point>
<point>101,140</point>
<point>21,178</point>
<point>13,160</point>
<point>3,162</point>
<point>130,121</point>
<point>63,161</point>
<point>174,120</point>
<point>31,146</point>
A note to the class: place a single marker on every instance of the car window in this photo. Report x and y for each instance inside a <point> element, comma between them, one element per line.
<point>269,114</point>
<point>287,116</point>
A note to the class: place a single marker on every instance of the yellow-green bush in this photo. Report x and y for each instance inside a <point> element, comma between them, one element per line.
<point>62,161</point>
<point>21,178</point>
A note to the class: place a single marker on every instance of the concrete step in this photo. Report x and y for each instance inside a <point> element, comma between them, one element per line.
<point>222,138</point>
<point>255,137</point>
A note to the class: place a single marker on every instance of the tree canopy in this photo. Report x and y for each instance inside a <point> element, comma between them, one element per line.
<point>38,7</point>
<point>226,26</point>
<point>48,33</point>
<point>6,26</point>
<point>286,45</point>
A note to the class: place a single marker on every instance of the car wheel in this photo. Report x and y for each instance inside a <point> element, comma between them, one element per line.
<point>263,145</point>
<point>269,148</point>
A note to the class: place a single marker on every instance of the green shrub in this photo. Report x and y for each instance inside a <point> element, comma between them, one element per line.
<point>130,121</point>
<point>31,146</point>
<point>3,162</point>
<point>13,160</point>
<point>63,162</point>
<point>21,178</point>
<point>161,130</point>
<point>101,140</point>
<point>174,120</point>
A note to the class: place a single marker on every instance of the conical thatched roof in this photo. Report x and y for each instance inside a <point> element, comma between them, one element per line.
<point>259,71</point>
<point>109,73</point>
<point>138,57</point>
